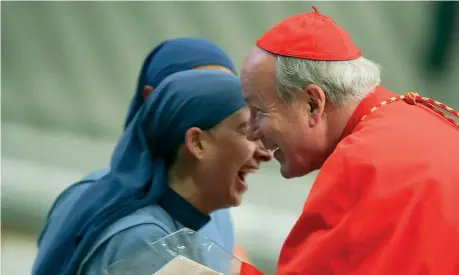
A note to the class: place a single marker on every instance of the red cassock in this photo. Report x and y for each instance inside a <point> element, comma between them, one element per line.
<point>386,202</point>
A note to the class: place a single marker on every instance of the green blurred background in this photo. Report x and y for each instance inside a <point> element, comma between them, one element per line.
<point>69,70</point>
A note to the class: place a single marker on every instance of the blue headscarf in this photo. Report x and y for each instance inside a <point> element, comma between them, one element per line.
<point>172,56</point>
<point>138,172</point>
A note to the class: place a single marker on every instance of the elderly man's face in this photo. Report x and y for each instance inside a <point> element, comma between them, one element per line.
<point>292,131</point>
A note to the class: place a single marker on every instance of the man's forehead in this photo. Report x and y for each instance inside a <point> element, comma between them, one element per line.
<point>256,56</point>
<point>258,74</point>
<point>248,96</point>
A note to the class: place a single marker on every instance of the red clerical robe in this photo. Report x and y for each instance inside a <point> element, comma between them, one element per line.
<point>386,202</point>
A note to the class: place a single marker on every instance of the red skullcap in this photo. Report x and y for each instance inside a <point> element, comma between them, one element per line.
<point>310,35</point>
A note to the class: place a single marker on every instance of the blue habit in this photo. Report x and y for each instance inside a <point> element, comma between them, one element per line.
<point>169,57</point>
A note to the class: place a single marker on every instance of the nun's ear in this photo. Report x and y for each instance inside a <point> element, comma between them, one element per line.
<point>147,90</point>
<point>194,142</point>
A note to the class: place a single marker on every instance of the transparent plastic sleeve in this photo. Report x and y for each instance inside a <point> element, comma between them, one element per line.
<point>183,252</point>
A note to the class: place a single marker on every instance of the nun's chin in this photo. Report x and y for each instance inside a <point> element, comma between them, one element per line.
<point>236,199</point>
<point>238,190</point>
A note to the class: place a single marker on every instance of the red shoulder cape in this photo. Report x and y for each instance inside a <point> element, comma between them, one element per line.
<point>386,202</point>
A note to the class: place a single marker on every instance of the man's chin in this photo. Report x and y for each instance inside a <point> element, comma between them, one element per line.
<point>289,171</point>
<point>286,172</point>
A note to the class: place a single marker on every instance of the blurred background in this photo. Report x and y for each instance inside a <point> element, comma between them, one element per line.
<point>69,70</point>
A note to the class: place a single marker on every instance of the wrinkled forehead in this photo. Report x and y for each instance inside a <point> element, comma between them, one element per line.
<point>258,75</point>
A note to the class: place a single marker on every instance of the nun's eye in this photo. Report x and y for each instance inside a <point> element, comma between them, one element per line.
<point>242,128</point>
<point>245,130</point>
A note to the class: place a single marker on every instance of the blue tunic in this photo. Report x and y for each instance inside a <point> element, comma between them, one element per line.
<point>136,231</point>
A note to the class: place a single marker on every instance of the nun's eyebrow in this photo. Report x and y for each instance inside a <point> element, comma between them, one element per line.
<point>242,125</point>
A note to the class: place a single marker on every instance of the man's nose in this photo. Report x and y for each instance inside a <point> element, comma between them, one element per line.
<point>262,154</point>
<point>252,132</point>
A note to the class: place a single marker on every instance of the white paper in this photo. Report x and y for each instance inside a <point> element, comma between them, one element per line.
<point>184,252</point>
<point>182,265</point>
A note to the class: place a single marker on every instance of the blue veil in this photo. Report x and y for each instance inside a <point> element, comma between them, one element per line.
<point>138,173</point>
<point>175,55</point>
<point>169,57</point>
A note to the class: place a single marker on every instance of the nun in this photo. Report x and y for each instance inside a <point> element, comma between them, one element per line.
<point>167,58</point>
<point>183,156</point>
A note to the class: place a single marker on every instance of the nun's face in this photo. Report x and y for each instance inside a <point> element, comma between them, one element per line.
<point>228,156</point>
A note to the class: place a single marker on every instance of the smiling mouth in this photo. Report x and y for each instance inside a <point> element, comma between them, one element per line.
<point>242,174</point>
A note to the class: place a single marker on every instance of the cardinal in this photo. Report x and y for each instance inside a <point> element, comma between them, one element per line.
<point>386,199</point>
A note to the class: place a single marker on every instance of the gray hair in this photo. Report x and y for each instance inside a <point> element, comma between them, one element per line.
<point>342,81</point>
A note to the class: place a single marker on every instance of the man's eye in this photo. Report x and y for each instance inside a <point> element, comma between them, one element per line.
<point>257,110</point>
<point>260,112</point>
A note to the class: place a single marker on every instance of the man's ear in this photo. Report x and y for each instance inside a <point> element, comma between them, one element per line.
<point>194,142</point>
<point>147,90</point>
<point>316,99</point>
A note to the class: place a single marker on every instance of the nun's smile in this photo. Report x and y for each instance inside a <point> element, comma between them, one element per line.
<point>228,158</point>
<point>242,175</point>
<point>211,166</point>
